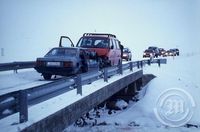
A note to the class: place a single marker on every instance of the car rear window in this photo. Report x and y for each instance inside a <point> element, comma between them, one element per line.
<point>94,42</point>
<point>62,52</point>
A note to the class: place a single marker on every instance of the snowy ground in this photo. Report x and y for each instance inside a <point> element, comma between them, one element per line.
<point>48,107</point>
<point>181,72</point>
<point>26,78</point>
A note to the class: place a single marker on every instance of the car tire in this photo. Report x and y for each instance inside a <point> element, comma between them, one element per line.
<point>84,69</point>
<point>47,76</point>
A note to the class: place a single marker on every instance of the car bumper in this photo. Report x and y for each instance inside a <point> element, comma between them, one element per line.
<point>125,57</point>
<point>147,55</point>
<point>57,70</point>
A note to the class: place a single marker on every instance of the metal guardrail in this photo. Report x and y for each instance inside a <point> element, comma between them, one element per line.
<point>16,65</point>
<point>19,101</point>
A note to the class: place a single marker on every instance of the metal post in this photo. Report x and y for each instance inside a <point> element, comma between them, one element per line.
<point>138,64</point>
<point>2,51</point>
<point>149,62</point>
<point>120,69</point>
<point>159,62</point>
<point>141,63</point>
<point>131,66</point>
<point>23,106</point>
<point>105,75</point>
<point>79,84</point>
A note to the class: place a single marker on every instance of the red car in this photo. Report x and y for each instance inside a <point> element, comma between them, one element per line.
<point>107,47</point>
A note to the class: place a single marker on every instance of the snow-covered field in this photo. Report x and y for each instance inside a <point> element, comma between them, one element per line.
<point>182,73</point>
<point>26,78</point>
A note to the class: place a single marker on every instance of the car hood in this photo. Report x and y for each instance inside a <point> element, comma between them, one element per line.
<point>57,58</point>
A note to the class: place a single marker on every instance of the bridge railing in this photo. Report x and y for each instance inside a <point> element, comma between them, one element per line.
<point>19,101</point>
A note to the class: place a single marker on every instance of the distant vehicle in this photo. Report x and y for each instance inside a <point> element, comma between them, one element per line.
<point>170,52</point>
<point>177,51</point>
<point>149,53</point>
<point>127,55</point>
<point>161,51</point>
<point>155,49</point>
<point>107,47</point>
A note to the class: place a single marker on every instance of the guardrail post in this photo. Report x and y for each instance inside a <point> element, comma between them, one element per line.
<point>159,62</point>
<point>120,68</point>
<point>138,64</point>
<point>131,66</point>
<point>23,106</point>
<point>149,62</point>
<point>141,63</point>
<point>15,69</point>
<point>79,84</point>
<point>105,75</point>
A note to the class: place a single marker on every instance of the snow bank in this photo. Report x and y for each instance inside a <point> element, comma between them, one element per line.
<point>180,72</point>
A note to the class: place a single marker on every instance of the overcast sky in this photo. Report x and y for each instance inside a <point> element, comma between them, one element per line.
<point>29,28</point>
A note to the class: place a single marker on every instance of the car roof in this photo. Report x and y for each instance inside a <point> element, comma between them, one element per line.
<point>148,50</point>
<point>68,48</point>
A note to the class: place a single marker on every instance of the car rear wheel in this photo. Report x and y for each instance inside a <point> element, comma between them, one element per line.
<point>47,76</point>
<point>84,69</point>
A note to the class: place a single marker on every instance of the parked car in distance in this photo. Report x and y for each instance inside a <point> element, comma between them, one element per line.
<point>161,51</point>
<point>107,47</point>
<point>63,61</point>
<point>170,52</point>
<point>149,53</point>
<point>177,51</point>
<point>127,55</point>
<point>155,49</point>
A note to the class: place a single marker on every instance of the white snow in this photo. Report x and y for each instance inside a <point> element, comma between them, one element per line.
<point>26,78</point>
<point>46,108</point>
<point>181,72</point>
<point>121,104</point>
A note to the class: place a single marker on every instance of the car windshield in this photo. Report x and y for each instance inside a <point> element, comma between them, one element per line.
<point>62,52</point>
<point>94,42</point>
